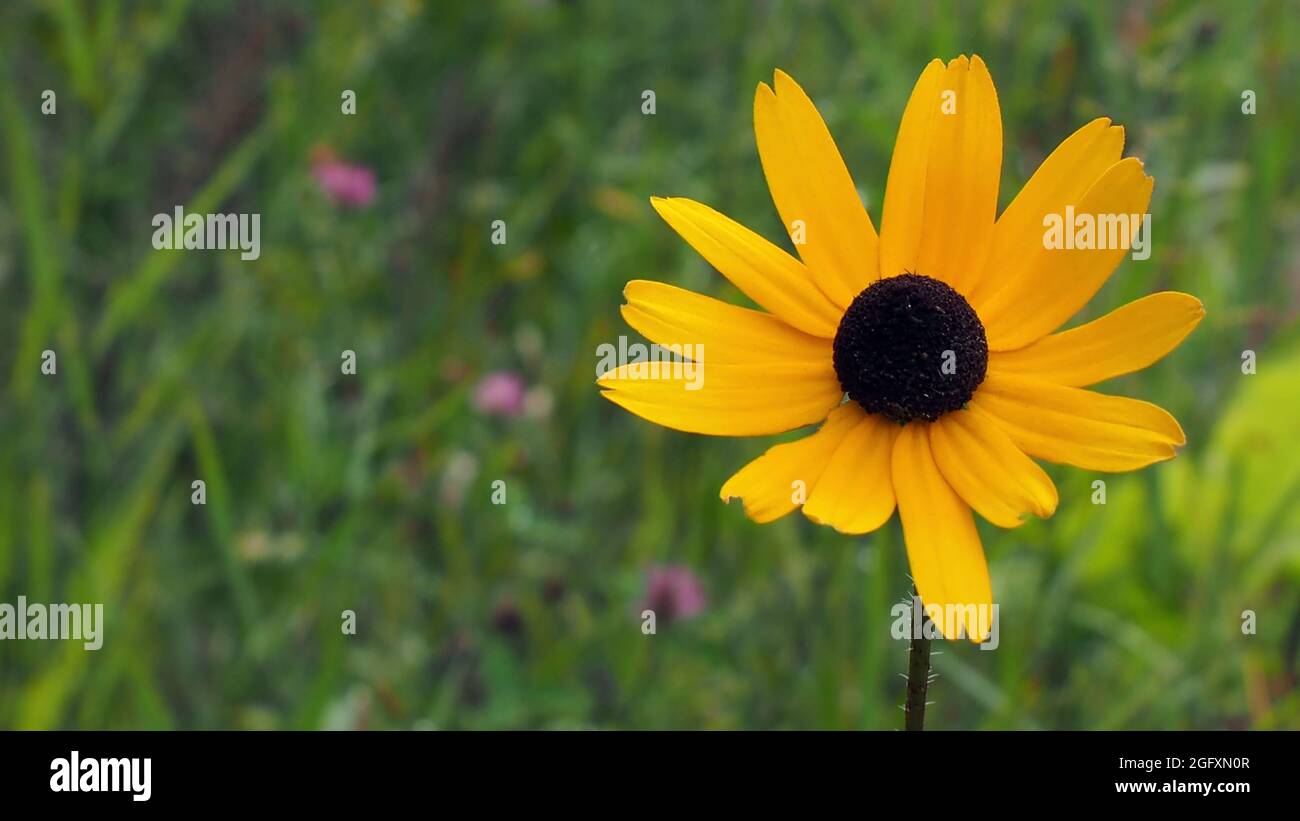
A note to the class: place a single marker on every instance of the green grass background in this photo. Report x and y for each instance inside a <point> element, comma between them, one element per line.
<point>327,492</point>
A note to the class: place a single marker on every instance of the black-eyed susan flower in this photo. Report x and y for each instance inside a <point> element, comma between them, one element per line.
<point>929,351</point>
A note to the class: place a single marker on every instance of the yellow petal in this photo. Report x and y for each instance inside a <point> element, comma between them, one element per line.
<point>943,547</point>
<point>727,399</point>
<point>961,182</point>
<point>765,273</point>
<point>1079,427</point>
<point>669,315</point>
<point>813,191</point>
<point>986,469</point>
<point>901,220</point>
<point>1063,178</point>
<point>855,494</point>
<point>1051,284</point>
<point>1125,340</point>
<point>780,480</point>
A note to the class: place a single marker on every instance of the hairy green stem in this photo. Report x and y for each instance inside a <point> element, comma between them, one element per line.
<point>918,679</point>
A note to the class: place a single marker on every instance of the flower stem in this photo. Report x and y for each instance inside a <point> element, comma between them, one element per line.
<point>918,678</point>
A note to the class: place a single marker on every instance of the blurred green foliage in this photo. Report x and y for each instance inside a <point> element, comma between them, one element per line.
<point>372,492</point>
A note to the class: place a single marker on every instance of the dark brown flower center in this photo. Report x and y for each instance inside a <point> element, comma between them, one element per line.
<point>910,347</point>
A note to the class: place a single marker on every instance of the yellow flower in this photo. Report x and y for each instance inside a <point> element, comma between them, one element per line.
<point>930,350</point>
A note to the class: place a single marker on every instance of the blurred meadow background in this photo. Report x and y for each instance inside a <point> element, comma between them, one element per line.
<point>476,362</point>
